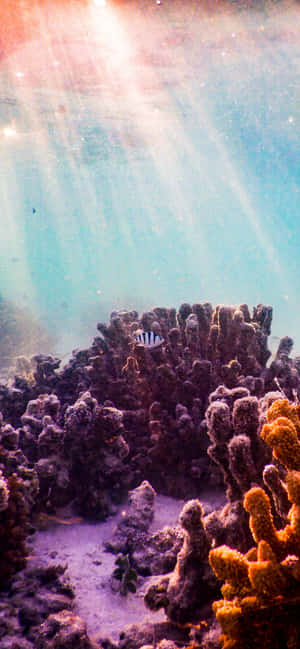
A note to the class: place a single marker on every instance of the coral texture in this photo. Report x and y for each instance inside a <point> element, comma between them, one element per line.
<point>14,527</point>
<point>162,392</point>
<point>233,421</point>
<point>191,584</point>
<point>132,529</point>
<point>262,588</point>
<point>184,416</point>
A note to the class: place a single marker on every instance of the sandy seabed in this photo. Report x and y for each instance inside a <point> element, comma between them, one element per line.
<point>80,546</point>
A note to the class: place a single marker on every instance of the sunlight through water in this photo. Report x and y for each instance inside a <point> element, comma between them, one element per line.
<point>149,156</point>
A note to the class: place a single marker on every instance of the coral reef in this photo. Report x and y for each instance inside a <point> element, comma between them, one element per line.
<point>85,440</point>
<point>233,422</point>
<point>149,634</point>
<point>96,451</point>
<point>262,588</point>
<point>64,629</point>
<point>18,492</point>
<point>162,392</point>
<point>14,528</point>
<point>191,584</point>
<point>34,594</point>
<point>200,410</point>
<point>158,553</point>
<point>132,529</point>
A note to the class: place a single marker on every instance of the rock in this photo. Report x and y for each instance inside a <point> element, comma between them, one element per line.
<point>64,630</point>
<point>135,636</point>
<point>191,584</point>
<point>133,526</point>
<point>157,556</point>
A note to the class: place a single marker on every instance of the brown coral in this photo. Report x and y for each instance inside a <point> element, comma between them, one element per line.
<point>14,524</point>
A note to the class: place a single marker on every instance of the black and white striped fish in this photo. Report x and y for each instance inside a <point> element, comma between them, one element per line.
<point>148,339</point>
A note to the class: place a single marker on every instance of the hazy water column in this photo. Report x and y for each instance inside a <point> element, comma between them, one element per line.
<point>159,151</point>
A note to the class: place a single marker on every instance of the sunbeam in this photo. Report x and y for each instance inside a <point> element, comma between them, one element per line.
<point>137,141</point>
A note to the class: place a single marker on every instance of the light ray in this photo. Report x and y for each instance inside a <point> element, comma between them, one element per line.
<point>102,65</point>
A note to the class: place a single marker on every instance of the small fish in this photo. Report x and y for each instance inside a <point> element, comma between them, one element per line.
<point>148,339</point>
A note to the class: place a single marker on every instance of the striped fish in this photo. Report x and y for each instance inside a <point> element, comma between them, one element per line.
<point>148,339</point>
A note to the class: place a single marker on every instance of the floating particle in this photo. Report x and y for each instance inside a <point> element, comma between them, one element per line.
<point>8,131</point>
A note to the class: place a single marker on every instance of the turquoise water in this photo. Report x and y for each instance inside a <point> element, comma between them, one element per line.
<point>150,155</point>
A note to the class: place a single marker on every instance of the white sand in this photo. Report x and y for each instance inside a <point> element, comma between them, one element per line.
<point>89,567</point>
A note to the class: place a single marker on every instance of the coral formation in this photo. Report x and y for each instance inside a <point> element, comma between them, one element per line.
<point>158,553</point>
<point>95,449</point>
<point>233,421</point>
<point>203,348</point>
<point>62,630</point>
<point>191,584</point>
<point>132,529</point>
<point>262,588</point>
<point>14,527</point>
<point>201,409</point>
<point>34,594</point>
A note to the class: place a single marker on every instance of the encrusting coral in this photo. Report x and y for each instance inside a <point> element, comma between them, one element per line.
<point>262,588</point>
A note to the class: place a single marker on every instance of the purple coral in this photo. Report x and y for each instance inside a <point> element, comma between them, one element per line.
<point>191,584</point>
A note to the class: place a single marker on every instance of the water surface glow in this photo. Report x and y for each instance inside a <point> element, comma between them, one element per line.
<point>149,155</point>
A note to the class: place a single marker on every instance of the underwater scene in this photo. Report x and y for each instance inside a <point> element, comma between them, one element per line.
<point>149,324</point>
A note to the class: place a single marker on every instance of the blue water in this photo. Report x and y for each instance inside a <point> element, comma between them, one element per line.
<point>150,155</point>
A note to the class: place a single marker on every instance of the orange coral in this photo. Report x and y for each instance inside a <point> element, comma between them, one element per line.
<point>282,437</point>
<point>283,408</point>
<point>282,433</point>
<point>257,504</point>
<point>262,588</point>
